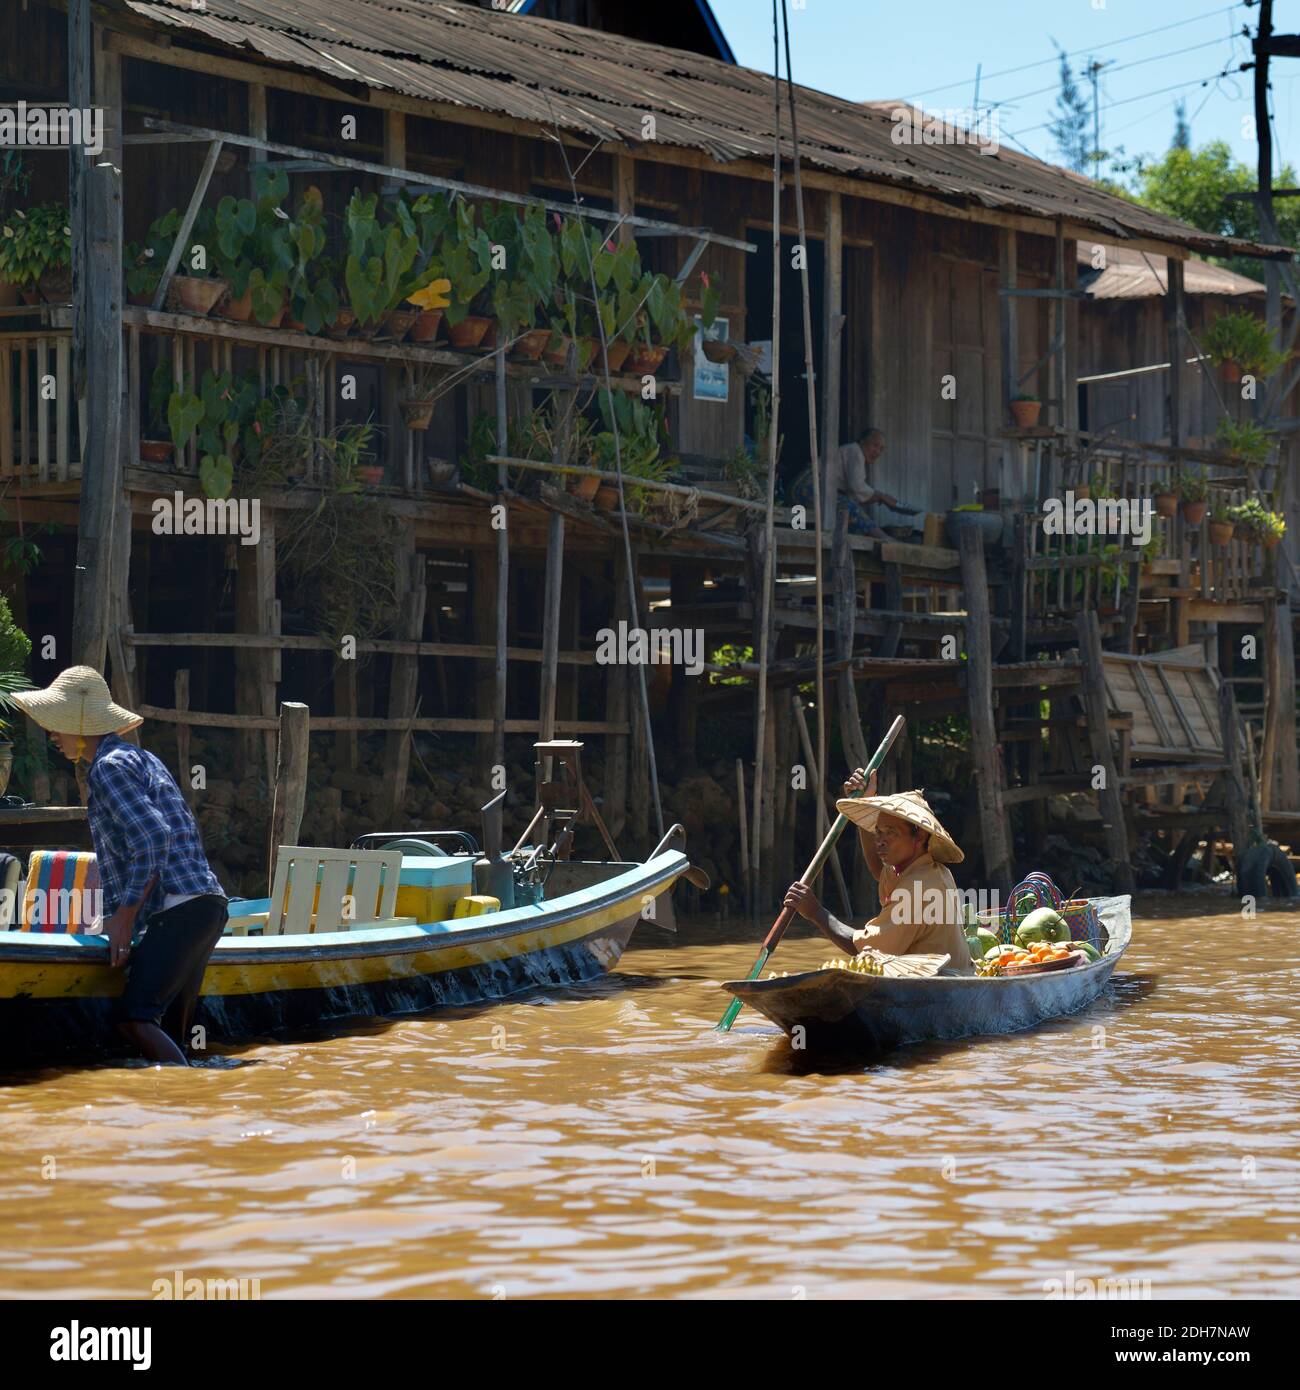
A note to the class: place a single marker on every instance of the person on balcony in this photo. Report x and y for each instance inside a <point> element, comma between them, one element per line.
<point>153,871</point>
<point>844,485</point>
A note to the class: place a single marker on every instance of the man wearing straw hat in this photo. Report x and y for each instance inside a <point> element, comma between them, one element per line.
<point>907,851</point>
<point>151,861</point>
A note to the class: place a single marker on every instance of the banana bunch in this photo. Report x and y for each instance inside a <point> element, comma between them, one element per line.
<point>989,967</point>
<point>860,965</point>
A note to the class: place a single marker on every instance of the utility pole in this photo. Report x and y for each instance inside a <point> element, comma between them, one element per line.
<point>1093,70</point>
<point>1264,177</point>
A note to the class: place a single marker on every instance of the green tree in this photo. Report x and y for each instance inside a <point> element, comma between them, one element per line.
<point>1193,185</point>
<point>1069,125</point>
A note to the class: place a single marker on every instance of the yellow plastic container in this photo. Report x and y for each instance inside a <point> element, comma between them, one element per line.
<point>475,905</point>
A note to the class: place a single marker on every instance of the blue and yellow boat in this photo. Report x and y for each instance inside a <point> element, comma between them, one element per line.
<point>418,937</point>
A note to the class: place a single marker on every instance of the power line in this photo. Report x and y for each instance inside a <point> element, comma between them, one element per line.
<point>1025,67</point>
<point>1178,87</point>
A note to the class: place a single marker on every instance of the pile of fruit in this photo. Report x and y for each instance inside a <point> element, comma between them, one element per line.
<point>1040,938</point>
<point>865,964</point>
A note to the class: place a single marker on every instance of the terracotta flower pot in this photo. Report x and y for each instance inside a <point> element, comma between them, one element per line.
<point>240,310</point>
<point>30,297</point>
<point>417,414</point>
<point>141,299</point>
<point>530,346</point>
<point>1221,532</point>
<point>343,322</point>
<point>369,329</point>
<point>642,360</point>
<point>1166,504</point>
<point>277,321</point>
<point>1082,490</point>
<point>56,286</point>
<point>1025,413</point>
<point>468,333</point>
<point>1268,542</point>
<point>589,354</point>
<point>193,294</point>
<point>617,352</point>
<point>606,498</point>
<point>585,488</point>
<point>397,323</point>
<point>717,351</point>
<point>294,325</point>
<point>372,474</point>
<point>155,450</point>
<point>1193,512</point>
<point>425,327</point>
<point>441,471</point>
<point>489,342</point>
<point>1231,371</point>
<point>557,356</point>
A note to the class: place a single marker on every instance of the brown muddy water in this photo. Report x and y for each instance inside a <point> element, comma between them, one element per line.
<point>607,1142</point>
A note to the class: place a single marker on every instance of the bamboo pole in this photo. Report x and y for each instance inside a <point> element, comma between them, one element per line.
<point>290,779</point>
<point>836,867</point>
<point>813,452</point>
<point>769,541</point>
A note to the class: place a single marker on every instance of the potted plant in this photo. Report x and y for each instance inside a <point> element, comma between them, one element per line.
<point>710,301</point>
<point>36,252</point>
<point>1221,530</point>
<point>1192,491</point>
<point>422,390</point>
<point>196,287</point>
<point>1258,523</point>
<point>538,270</point>
<point>14,179</point>
<point>1239,343</point>
<point>313,299</point>
<point>1166,500</point>
<point>466,259</point>
<point>257,250</point>
<point>430,214</point>
<point>378,268</point>
<point>156,448</point>
<point>1025,410</point>
<point>1246,440</point>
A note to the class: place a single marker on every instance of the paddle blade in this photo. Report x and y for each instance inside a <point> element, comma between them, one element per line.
<point>734,1008</point>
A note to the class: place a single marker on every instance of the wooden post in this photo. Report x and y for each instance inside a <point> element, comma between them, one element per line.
<point>257,672</point>
<point>1234,786</point>
<point>98,187</point>
<point>290,780</point>
<point>503,566</point>
<point>551,629</point>
<point>183,737</point>
<point>345,704</point>
<point>638,808</point>
<point>1097,704</point>
<point>617,711</point>
<point>483,606</point>
<point>257,126</point>
<point>1280,783</point>
<point>624,191</point>
<point>1008,279</point>
<point>979,695</point>
<point>845,608</point>
<point>805,741</point>
<point>832,352</point>
<point>1018,610</point>
<point>404,686</point>
<point>744,828</point>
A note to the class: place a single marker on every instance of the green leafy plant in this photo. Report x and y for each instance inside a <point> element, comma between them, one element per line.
<point>15,649</point>
<point>35,243</point>
<point>15,180</point>
<point>710,300</point>
<point>1242,338</point>
<point>1246,439</point>
<point>1023,396</point>
<point>1190,487</point>
<point>144,263</point>
<point>380,257</point>
<point>466,257</point>
<point>1256,521</point>
<point>480,444</point>
<point>255,246</point>
<point>311,287</point>
<point>230,418</point>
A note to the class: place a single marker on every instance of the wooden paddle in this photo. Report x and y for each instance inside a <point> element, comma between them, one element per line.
<point>810,875</point>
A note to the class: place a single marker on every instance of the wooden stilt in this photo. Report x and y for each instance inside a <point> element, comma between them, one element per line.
<point>183,737</point>
<point>483,618</point>
<point>290,783</point>
<point>404,687</point>
<point>1097,704</point>
<point>617,712</point>
<point>1280,789</point>
<point>1232,735</point>
<point>845,608</point>
<point>979,695</point>
<point>837,868</point>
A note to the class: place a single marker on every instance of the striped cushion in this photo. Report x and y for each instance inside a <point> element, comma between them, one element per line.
<point>62,893</point>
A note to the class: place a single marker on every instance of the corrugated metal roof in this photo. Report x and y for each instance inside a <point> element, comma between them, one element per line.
<point>1129,274</point>
<point>602,85</point>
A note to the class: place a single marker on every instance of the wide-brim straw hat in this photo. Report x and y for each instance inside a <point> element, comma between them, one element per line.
<point>77,701</point>
<point>908,806</point>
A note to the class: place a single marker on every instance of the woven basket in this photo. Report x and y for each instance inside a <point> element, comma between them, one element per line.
<point>1039,891</point>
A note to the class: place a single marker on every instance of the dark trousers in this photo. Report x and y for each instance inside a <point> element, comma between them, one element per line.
<point>165,970</point>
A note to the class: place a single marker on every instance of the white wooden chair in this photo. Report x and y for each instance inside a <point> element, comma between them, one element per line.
<point>358,888</point>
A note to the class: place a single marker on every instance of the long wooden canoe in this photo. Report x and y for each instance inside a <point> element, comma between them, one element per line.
<point>57,990</point>
<point>840,1010</point>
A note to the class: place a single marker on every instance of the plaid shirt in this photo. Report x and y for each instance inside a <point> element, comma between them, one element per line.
<point>142,828</point>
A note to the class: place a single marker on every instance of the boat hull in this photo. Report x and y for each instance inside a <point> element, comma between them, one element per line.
<point>57,994</point>
<point>840,1010</point>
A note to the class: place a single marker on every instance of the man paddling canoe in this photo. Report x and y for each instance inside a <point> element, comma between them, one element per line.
<point>151,862</point>
<point>907,851</point>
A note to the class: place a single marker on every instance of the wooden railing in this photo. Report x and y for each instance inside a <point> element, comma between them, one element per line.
<point>36,407</point>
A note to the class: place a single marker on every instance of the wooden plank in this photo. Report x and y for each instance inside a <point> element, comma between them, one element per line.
<point>1235,789</point>
<point>833,328</point>
<point>551,626</point>
<point>187,223</point>
<point>624,193</point>
<point>42,410</point>
<point>1153,708</point>
<point>1203,611</point>
<point>1097,705</point>
<point>331,724</point>
<point>1192,740</point>
<point>404,684</point>
<point>979,694</point>
<point>1171,773</point>
<point>290,783</point>
<point>63,389</point>
<point>844,607</point>
<point>345,706</point>
<point>1008,322</point>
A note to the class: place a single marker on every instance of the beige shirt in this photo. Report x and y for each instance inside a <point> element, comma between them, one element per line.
<point>920,914</point>
<point>846,472</point>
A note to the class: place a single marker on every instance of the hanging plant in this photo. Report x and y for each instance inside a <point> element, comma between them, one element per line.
<point>1241,343</point>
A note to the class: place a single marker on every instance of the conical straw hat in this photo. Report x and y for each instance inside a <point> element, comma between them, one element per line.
<point>908,806</point>
<point>77,702</point>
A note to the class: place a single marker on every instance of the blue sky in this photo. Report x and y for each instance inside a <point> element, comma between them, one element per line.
<point>928,52</point>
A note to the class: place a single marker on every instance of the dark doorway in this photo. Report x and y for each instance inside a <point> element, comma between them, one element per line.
<point>793,423</point>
